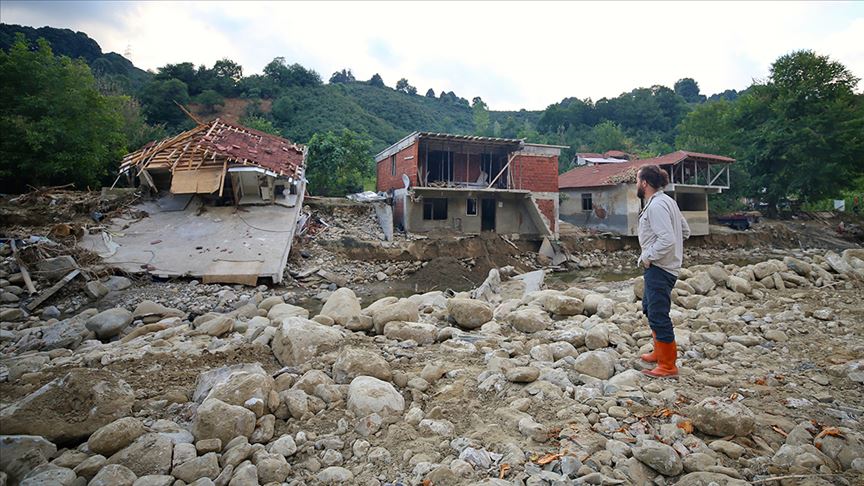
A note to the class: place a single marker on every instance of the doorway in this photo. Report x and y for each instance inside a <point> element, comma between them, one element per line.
<point>487,214</point>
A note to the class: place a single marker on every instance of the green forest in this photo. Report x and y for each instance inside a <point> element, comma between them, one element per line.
<point>68,112</point>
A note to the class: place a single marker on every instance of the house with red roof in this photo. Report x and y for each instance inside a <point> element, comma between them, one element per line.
<point>440,182</point>
<point>602,196</point>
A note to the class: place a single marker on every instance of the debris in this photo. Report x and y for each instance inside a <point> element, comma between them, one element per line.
<point>53,290</point>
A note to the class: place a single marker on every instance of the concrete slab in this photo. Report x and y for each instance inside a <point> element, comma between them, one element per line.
<point>215,244</point>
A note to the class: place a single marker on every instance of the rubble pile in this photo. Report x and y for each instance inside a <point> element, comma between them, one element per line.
<point>509,384</point>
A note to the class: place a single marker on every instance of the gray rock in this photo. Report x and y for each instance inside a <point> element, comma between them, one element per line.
<point>709,479</point>
<point>422,334</point>
<point>300,340</point>
<point>368,395</point>
<point>50,312</point>
<point>49,475</point>
<point>100,398</point>
<point>206,466</point>
<point>597,337</point>
<point>721,417</point>
<point>522,374</point>
<point>56,268</point>
<point>272,469</point>
<point>154,480</point>
<point>109,323</point>
<point>738,284</point>
<point>216,419</point>
<point>354,362</point>
<point>149,454</point>
<point>96,289</point>
<point>599,364</point>
<point>19,454</point>
<point>403,310</point>
<point>216,326</point>
<point>242,386</point>
<point>117,283</point>
<point>529,320</point>
<point>468,313</point>
<point>563,305</point>
<point>90,466</point>
<point>209,379</point>
<point>284,445</point>
<point>113,475</point>
<point>335,475</point>
<point>115,436</point>
<point>659,457</point>
<point>342,306</point>
<point>150,311</point>
<point>702,283</point>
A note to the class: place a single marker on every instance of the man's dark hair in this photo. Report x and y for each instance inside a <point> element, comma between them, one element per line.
<point>654,176</point>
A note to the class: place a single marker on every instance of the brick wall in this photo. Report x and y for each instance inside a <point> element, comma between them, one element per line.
<point>547,208</point>
<point>387,181</point>
<point>535,173</point>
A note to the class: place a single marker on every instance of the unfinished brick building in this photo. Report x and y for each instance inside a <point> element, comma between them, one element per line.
<point>467,184</point>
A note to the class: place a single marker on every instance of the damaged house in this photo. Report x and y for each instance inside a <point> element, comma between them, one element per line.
<point>468,184</point>
<point>227,201</point>
<point>602,195</point>
<point>222,159</point>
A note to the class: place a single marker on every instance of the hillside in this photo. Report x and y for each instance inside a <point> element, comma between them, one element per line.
<point>65,42</point>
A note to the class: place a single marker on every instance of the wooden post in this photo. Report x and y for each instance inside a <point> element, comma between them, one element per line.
<point>510,159</point>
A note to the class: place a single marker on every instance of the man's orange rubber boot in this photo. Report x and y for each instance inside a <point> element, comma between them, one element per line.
<point>652,356</point>
<point>667,355</point>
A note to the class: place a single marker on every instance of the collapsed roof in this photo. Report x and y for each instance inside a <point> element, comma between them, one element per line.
<point>207,151</point>
<point>600,175</point>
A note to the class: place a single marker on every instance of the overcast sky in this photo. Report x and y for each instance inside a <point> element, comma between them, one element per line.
<point>512,54</point>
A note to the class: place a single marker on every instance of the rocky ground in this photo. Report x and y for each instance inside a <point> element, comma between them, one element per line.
<point>517,382</point>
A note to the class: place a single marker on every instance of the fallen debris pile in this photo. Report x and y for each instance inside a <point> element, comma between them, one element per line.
<point>520,385</point>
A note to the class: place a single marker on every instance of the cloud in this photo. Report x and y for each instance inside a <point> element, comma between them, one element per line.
<point>512,54</point>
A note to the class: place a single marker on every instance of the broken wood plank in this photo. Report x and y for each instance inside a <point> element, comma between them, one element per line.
<point>21,266</point>
<point>53,290</point>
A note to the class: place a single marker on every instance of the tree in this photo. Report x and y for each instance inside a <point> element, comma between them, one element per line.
<point>430,93</point>
<point>608,136</point>
<point>158,99</point>
<point>209,100</point>
<point>688,89</point>
<point>377,81</point>
<point>800,131</point>
<point>56,127</point>
<point>481,117</point>
<point>343,76</point>
<point>338,163</point>
<point>261,124</point>
<point>403,86</point>
<point>285,75</point>
<point>226,76</point>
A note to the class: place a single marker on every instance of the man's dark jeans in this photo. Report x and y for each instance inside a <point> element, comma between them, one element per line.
<point>656,302</point>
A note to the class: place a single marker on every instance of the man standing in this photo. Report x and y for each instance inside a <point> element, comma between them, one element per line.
<point>662,230</point>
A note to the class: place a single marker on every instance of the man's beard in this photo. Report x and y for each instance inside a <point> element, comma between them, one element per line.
<point>640,192</point>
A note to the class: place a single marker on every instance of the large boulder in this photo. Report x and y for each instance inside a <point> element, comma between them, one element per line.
<point>702,283</point>
<point>280,312</point>
<point>100,398</point>
<point>115,436</point>
<point>368,395</point>
<point>114,475</point>
<point>738,284</point>
<point>68,333</point>
<point>529,319</point>
<point>341,306</point>
<point>109,323</point>
<point>19,454</point>
<point>149,311</point>
<point>599,364</point>
<point>149,454</point>
<point>206,466</point>
<point>420,333</point>
<point>299,340</point>
<point>563,305</point>
<point>659,457</point>
<point>402,310</point>
<point>209,379</point>
<point>354,362</point>
<point>721,417</point>
<point>216,419</point>
<point>468,313</point>
<point>242,386</point>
